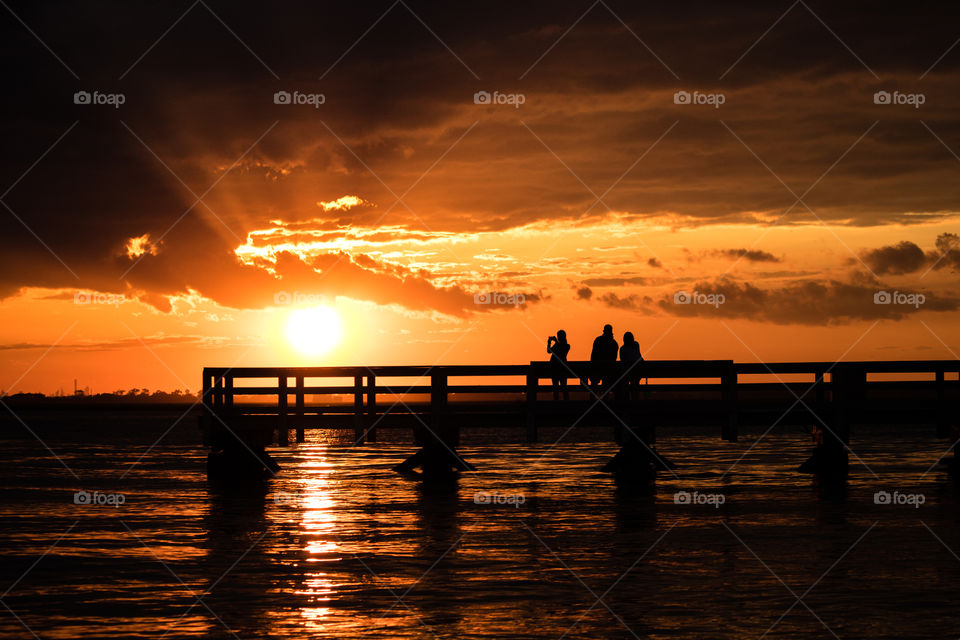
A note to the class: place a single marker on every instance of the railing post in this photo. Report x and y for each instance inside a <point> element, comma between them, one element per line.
<point>820,390</point>
<point>371,408</point>
<point>943,427</point>
<point>207,386</point>
<point>438,413</point>
<point>283,434</point>
<point>301,436</point>
<point>206,402</point>
<point>228,391</point>
<point>533,382</point>
<point>728,382</point>
<point>848,384</point>
<point>358,435</point>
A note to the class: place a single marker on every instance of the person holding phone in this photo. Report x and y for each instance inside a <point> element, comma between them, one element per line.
<point>558,348</point>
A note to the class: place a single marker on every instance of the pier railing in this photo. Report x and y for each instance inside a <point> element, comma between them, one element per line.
<point>304,397</point>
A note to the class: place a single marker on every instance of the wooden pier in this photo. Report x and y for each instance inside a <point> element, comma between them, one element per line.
<point>256,406</point>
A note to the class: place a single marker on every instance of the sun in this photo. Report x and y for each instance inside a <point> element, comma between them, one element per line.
<point>313,331</point>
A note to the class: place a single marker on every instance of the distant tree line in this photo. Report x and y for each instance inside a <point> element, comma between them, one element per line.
<point>120,395</point>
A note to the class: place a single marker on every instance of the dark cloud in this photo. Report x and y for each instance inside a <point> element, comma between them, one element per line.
<point>655,263</point>
<point>399,118</point>
<point>616,281</point>
<point>127,343</point>
<point>812,302</point>
<point>584,293</point>
<point>907,257</point>
<point>904,257</point>
<point>632,301</point>
<point>947,253</point>
<point>752,255</point>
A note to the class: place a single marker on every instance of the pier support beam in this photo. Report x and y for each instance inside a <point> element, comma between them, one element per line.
<point>533,382</point>
<point>437,458</point>
<point>728,382</point>
<point>943,415</point>
<point>371,408</point>
<point>283,433</point>
<point>301,437</point>
<point>239,457</point>
<point>637,461</point>
<point>359,436</point>
<point>830,458</point>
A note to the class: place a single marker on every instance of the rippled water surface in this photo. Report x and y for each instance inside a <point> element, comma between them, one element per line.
<point>338,546</point>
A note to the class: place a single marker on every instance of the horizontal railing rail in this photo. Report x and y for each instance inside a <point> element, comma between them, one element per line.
<point>223,385</point>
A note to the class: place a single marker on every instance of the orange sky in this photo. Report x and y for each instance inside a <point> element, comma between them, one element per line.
<point>184,227</point>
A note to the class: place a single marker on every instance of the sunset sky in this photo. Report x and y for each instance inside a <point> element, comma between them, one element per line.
<point>188,225</point>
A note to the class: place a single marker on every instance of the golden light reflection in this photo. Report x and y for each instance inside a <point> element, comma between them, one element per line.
<point>318,527</point>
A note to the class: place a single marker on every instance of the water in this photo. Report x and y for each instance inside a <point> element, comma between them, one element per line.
<point>337,546</point>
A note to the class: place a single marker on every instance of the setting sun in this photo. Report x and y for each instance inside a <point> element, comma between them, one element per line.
<point>313,331</point>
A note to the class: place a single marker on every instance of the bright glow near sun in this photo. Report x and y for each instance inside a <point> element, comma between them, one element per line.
<point>314,330</point>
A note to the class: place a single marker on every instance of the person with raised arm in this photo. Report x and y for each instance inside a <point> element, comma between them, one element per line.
<point>558,348</point>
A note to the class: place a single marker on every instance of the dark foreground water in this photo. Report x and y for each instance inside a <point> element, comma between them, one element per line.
<point>337,546</point>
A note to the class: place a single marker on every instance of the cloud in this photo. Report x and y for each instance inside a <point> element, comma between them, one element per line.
<point>947,253</point>
<point>752,255</point>
<point>584,293</point>
<point>129,343</point>
<point>811,302</point>
<point>904,257</point>
<point>343,203</point>
<point>402,135</point>
<point>907,257</point>
<point>632,301</point>
<point>616,281</point>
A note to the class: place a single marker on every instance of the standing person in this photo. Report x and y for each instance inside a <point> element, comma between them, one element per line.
<point>558,348</point>
<point>629,357</point>
<point>604,350</point>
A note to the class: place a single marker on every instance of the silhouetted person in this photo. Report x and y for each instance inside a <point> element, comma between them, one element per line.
<point>630,356</point>
<point>558,348</point>
<point>604,350</point>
